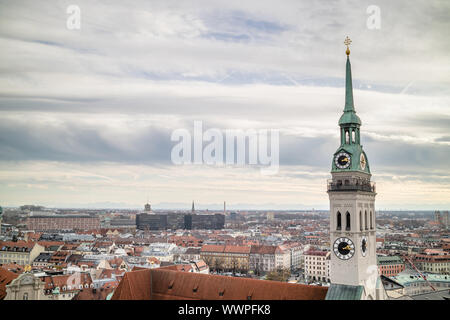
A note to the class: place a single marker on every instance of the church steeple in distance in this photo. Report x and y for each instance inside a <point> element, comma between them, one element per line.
<point>193,207</point>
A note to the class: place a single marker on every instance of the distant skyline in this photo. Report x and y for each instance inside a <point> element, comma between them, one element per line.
<point>86,115</point>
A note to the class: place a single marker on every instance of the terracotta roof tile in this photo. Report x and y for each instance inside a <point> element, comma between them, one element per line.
<point>212,248</point>
<point>5,278</point>
<point>263,249</point>
<point>165,284</point>
<point>237,249</point>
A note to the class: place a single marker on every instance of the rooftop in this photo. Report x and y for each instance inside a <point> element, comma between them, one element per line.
<point>164,284</point>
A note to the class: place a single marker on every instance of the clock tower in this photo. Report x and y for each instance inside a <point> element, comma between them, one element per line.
<point>353,266</point>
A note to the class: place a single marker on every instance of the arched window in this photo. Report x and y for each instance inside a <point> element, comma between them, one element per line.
<point>371,221</point>
<point>347,221</point>
<point>360,221</point>
<point>347,137</point>
<point>365,219</point>
<point>353,136</point>
<point>339,223</point>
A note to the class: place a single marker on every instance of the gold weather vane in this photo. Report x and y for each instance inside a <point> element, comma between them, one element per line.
<point>347,42</point>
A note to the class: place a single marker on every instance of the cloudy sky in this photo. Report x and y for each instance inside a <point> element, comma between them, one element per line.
<point>86,115</point>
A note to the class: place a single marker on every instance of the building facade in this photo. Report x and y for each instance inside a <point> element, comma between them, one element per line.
<point>226,258</point>
<point>317,266</point>
<point>63,222</point>
<point>263,258</point>
<point>175,221</point>
<point>390,265</point>
<point>433,263</point>
<point>20,252</point>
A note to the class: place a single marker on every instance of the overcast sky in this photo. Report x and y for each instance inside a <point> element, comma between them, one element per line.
<point>86,115</point>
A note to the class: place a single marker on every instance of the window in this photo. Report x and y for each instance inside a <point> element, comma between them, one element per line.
<point>371,221</point>
<point>365,219</point>
<point>347,224</point>
<point>339,224</point>
<point>360,221</point>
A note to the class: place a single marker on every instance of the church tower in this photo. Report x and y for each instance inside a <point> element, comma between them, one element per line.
<point>353,265</point>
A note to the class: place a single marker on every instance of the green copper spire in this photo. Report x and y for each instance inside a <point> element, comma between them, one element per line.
<point>349,116</point>
<point>349,106</point>
<point>350,155</point>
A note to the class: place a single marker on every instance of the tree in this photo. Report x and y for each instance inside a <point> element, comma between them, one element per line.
<point>234,265</point>
<point>218,263</point>
<point>208,260</point>
<point>279,275</point>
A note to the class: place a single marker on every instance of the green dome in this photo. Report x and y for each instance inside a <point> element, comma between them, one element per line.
<point>349,117</point>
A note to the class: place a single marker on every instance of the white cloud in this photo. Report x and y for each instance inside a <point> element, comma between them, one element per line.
<point>112,90</point>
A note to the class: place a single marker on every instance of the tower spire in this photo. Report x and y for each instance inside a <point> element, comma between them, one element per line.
<point>348,79</point>
<point>349,116</point>
<point>349,106</point>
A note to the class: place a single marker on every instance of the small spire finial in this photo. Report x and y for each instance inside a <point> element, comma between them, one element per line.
<point>347,42</point>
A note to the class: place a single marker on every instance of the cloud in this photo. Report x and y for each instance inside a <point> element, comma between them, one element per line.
<point>109,95</point>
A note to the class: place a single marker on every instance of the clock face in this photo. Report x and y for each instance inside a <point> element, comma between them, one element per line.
<point>362,161</point>
<point>344,248</point>
<point>342,160</point>
<point>364,246</point>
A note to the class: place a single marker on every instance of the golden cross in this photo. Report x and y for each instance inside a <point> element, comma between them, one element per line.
<point>347,42</point>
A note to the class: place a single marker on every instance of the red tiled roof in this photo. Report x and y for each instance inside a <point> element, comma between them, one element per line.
<point>237,249</point>
<point>263,249</point>
<point>165,284</point>
<point>51,243</point>
<point>16,244</point>
<point>12,266</point>
<point>316,253</point>
<point>61,281</point>
<point>93,294</point>
<point>212,248</point>
<point>5,278</point>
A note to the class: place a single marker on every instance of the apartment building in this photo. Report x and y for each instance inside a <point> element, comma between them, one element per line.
<point>317,265</point>
<point>20,252</point>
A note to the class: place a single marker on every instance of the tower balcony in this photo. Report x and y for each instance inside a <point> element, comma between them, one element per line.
<point>352,184</point>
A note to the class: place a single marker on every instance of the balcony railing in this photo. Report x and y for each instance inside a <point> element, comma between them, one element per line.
<point>351,185</point>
